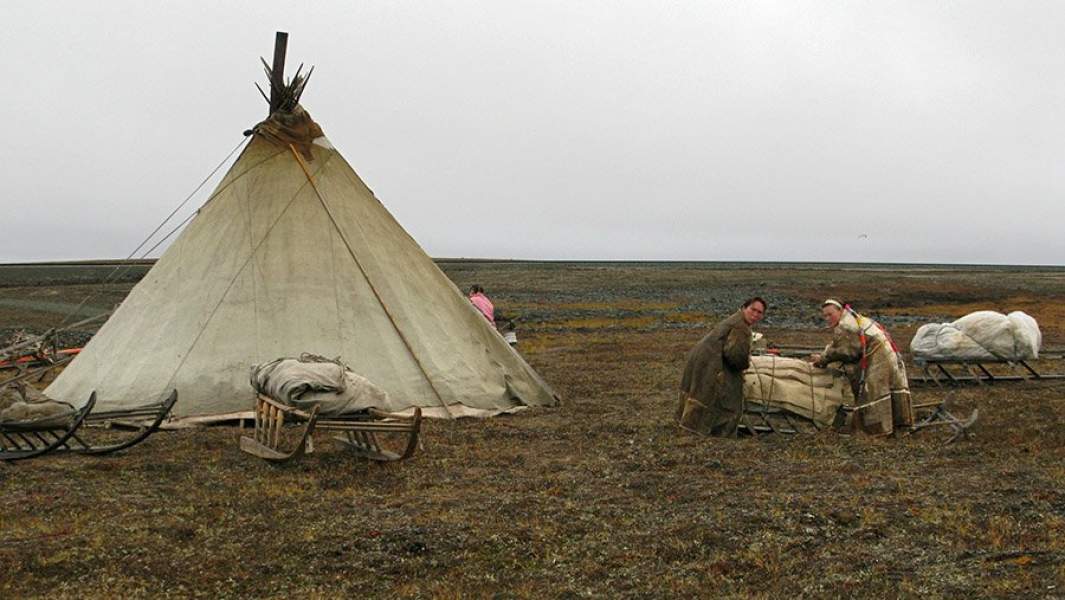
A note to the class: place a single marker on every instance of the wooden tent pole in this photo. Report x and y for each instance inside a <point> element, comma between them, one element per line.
<point>278,70</point>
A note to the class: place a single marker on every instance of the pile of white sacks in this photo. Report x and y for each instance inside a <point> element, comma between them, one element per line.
<point>982,335</point>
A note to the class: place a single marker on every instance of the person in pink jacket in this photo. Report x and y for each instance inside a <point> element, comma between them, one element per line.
<point>483,304</point>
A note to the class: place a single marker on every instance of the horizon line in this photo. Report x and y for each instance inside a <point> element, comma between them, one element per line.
<point>445,259</point>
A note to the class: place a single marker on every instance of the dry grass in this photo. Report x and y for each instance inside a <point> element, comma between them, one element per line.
<point>601,497</point>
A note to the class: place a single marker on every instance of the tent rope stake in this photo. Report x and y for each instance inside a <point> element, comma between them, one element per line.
<point>373,288</point>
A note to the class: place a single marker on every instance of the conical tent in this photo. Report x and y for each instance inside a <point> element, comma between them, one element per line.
<point>293,253</point>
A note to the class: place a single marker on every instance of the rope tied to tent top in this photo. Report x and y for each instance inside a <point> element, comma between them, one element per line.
<point>293,128</point>
<point>288,124</point>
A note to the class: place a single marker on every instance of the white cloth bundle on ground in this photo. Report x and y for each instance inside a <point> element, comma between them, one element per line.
<point>794,385</point>
<point>310,380</point>
<point>982,335</point>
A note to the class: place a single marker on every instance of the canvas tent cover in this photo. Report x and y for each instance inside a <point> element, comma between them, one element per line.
<point>293,253</point>
<point>794,385</point>
<point>983,335</point>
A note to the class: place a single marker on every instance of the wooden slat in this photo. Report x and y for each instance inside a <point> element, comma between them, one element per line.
<point>29,443</point>
<point>275,435</point>
<point>12,443</point>
<point>257,449</point>
<point>125,414</point>
<point>383,427</point>
<point>279,417</point>
<point>363,440</point>
<point>74,437</point>
<point>268,424</point>
<point>258,422</point>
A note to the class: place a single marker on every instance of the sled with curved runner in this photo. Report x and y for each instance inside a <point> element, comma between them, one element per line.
<point>759,419</point>
<point>942,373</point>
<point>30,439</point>
<point>782,405</point>
<point>374,434</point>
<point>21,440</point>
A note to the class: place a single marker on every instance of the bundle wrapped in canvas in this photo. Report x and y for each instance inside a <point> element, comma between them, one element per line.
<point>313,380</point>
<point>795,385</point>
<point>983,335</point>
<point>44,414</point>
<point>20,404</point>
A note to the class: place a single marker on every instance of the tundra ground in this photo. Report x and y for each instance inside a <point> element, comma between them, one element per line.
<point>600,497</point>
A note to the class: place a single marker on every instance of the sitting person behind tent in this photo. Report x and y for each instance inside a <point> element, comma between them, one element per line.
<point>482,303</point>
<point>711,390</point>
<point>873,365</point>
<point>507,327</point>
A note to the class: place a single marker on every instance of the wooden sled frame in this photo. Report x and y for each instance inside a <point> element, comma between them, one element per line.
<point>30,439</point>
<point>936,414</point>
<point>358,432</point>
<point>945,372</point>
<point>759,418</point>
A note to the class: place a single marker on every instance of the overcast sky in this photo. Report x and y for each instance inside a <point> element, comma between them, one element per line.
<point>859,131</point>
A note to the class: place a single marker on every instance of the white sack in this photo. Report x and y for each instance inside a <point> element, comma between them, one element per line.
<point>982,335</point>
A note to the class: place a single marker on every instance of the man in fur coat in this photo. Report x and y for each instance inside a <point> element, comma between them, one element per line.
<point>711,390</point>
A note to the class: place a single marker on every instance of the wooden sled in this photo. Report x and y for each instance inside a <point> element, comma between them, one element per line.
<point>157,412</point>
<point>30,439</point>
<point>367,434</point>
<point>943,373</point>
<point>936,414</point>
<point>759,418</point>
